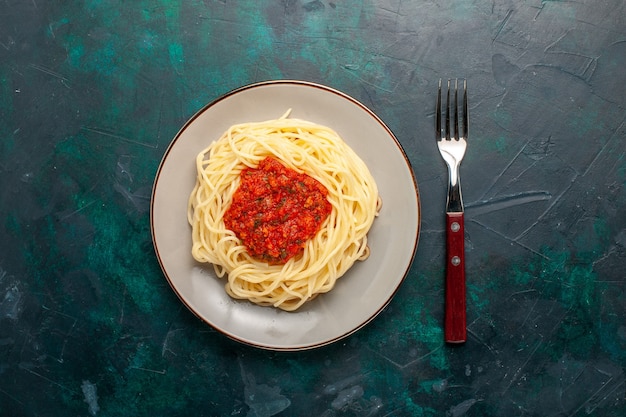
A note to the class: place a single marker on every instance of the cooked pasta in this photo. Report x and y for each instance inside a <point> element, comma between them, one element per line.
<point>341,239</point>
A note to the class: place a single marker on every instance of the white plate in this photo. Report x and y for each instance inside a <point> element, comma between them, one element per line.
<point>362,292</point>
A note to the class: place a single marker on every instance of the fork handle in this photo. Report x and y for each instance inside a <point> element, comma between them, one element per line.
<point>455,321</point>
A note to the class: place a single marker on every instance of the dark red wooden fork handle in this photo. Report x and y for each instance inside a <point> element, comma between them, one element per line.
<point>455,321</point>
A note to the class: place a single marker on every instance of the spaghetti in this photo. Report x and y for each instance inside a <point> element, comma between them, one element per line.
<point>304,150</point>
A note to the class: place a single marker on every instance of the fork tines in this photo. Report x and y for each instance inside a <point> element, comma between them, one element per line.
<point>464,120</point>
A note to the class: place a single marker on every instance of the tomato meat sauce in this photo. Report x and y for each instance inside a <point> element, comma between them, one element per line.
<point>276,210</point>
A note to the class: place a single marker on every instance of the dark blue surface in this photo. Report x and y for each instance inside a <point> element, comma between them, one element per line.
<point>91,94</point>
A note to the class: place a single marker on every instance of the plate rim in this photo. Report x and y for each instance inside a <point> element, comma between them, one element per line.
<point>344,96</point>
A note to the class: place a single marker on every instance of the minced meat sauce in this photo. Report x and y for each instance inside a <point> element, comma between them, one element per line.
<point>276,210</point>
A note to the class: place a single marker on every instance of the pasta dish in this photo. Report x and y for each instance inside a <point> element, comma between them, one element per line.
<point>281,208</point>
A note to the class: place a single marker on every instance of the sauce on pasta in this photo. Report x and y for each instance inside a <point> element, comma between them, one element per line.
<point>276,210</point>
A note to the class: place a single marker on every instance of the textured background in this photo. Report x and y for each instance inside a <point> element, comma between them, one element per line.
<point>91,94</point>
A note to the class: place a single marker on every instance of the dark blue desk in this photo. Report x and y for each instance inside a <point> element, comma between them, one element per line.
<point>91,94</point>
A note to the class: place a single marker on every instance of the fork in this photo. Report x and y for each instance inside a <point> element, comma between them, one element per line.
<point>452,147</point>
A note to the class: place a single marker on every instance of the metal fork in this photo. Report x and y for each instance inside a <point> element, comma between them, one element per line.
<point>452,147</point>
